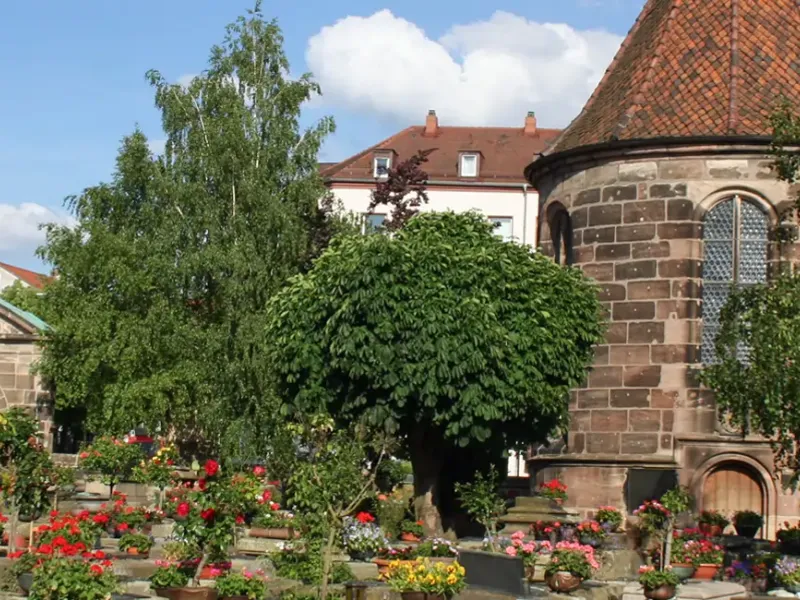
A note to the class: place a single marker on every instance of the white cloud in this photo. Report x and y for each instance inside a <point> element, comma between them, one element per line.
<point>20,225</point>
<point>484,73</point>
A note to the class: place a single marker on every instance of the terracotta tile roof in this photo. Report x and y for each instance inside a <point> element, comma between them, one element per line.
<point>35,280</point>
<point>504,153</point>
<point>695,68</point>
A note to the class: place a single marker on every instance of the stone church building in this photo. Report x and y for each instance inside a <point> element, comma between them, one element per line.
<point>661,190</point>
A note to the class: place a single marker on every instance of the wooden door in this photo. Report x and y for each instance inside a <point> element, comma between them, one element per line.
<point>732,488</point>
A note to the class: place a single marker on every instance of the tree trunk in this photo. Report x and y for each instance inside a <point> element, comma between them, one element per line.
<point>427,461</point>
<point>668,544</point>
<point>326,563</point>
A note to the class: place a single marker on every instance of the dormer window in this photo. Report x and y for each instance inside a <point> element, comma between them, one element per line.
<point>468,166</point>
<point>382,163</point>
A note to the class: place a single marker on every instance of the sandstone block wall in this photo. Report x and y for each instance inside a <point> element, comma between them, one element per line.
<point>637,230</point>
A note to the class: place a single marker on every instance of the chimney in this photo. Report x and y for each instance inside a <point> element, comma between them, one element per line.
<point>530,124</point>
<point>431,123</point>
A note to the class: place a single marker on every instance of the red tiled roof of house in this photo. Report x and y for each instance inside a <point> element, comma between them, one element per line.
<point>35,280</point>
<point>504,152</point>
<point>691,68</point>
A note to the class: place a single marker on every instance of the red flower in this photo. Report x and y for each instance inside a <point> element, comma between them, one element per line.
<point>266,496</point>
<point>212,467</point>
<point>259,471</point>
<point>96,569</point>
<point>239,519</point>
<point>53,514</point>
<point>207,514</point>
<point>183,509</point>
<point>83,455</point>
<point>45,549</point>
<point>60,541</point>
<point>123,527</point>
<point>274,506</point>
<point>365,517</point>
<point>16,554</point>
<point>201,484</point>
<point>99,554</point>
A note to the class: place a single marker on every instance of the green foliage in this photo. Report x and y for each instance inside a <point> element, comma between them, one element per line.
<point>390,510</point>
<point>756,379</point>
<point>70,579</point>
<point>143,543</point>
<point>747,518</point>
<point>27,298</point>
<point>442,332</point>
<point>651,579</point>
<point>392,473</point>
<point>245,584</point>
<point>482,501</point>
<point>306,566</point>
<point>159,307</point>
<point>169,576</point>
<point>110,459</point>
<point>677,500</point>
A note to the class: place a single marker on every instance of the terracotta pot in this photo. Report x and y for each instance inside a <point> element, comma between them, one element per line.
<point>233,598</point>
<point>563,581</point>
<point>435,597</point>
<point>710,530</point>
<point>683,571</point>
<point>276,533</point>
<point>409,537</point>
<point>412,595</point>
<point>706,572</point>
<point>133,551</point>
<point>196,593</point>
<point>664,592</point>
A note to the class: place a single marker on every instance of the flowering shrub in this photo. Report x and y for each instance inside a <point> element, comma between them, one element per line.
<point>574,558</point>
<point>110,459</point>
<point>704,552</point>
<point>651,578</point>
<point>652,515</point>
<point>552,489</point>
<point>527,551</point>
<point>713,518</point>
<point>62,578</point>
<point>249,584</point>
<point>787,571</point>
<point>609,518</point>
<point>544,530</point>
<point>436,548</point>
<point>362,535</point>
<point>412,528</point>
<point>591,533</point>
<point>64,529</point>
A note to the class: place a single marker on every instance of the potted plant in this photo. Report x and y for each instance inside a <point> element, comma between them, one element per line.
<point>553,489</point>
<point>591,534</point>
<point>706,556</point>
<point>388,555</point>
<point>441,581</point>
<point>136,544</point>
<point>658,585</point>
<point>747,523</point>
<point>69,577</point>
<point>527,551</point>
<point>680,559</point>
<point>750,574</point>
<point>22,567</point>
<point>712,522</point>
<point>110,460</point>
<point>411,531</point>
<point>481,499</point>
<point>402,578</point>
<point>390,509</point>
<point>271,522</point>
<point>170,580</point>
<point>610,518</point>
<point>361,537</point>
<point>787,572</point>
<point>789,539</point>
<point>246,585</point>
<point>653,517</point>
<point>570,564</point>
<point>437,548</point>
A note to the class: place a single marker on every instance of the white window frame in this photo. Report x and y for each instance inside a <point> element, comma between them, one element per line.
<point>462,161</point>
<point>381,157</point>
<point>493,219</point>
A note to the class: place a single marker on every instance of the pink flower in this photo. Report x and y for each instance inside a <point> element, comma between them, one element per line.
<point>259,471</point>
<point>511,551</point>
<point>517,535</point>
<point>529,548</point>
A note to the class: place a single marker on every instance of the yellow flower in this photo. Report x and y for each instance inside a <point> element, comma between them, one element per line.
<point>451,579</point>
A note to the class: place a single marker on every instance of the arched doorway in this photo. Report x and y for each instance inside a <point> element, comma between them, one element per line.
<point>732,487</point>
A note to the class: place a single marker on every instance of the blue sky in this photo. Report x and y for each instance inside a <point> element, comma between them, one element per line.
<point>73,75</point>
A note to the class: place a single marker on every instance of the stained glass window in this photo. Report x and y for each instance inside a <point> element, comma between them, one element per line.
<point>735,241</point>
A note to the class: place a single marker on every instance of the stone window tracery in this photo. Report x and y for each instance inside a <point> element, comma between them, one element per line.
<point>735,238</point>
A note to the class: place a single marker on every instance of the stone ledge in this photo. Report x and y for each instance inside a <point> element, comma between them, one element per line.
<point>705,590</point>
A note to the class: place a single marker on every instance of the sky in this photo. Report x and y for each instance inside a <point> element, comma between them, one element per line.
<point>72,77</point>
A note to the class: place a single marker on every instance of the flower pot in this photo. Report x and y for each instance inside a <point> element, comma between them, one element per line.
<point>710,530</point>
<point>195,593</point>
<point>663,592</point>
<point>683,571</point>
<point>25,581</point>
<point>409,537</point>
<point>361,556</point>
<point>748,531</point>
<point>706,572</point>
<point>275,533</point>
<point>563,581</point>
<point>412,595</point>
<point>590,541</point>
<point>233,598</point>
<point>29,517</point>
<point>435,597</point>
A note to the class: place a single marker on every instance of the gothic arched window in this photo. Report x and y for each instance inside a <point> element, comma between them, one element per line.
<point>735,237</point>
<point>561,235</point>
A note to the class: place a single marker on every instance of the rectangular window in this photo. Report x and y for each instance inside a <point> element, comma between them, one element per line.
<point>503,227</point>
<point>373,222</point>
<point>469,165</point>
<point>382,164</point>
<point>647,484</point>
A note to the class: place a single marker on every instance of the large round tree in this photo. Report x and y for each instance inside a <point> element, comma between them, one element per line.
<point>443,334</point>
